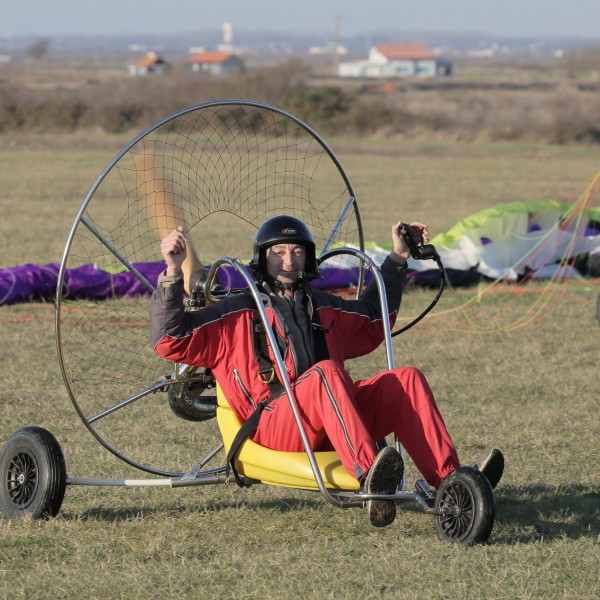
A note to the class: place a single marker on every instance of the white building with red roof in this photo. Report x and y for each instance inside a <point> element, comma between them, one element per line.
<point>396,60</point>
<point>151,63</point>
<point>216,63</point>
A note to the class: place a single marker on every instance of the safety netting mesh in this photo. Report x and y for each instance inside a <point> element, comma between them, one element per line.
<point>220,170</point>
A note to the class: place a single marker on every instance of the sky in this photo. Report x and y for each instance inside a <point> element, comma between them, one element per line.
<point>512,18</point>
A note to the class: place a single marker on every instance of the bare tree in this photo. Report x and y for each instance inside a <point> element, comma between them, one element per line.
<point>38,49</point>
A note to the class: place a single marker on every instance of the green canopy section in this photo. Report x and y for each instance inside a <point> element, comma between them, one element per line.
<point>478,221</point>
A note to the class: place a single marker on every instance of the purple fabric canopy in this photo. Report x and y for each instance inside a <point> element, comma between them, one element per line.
<point>34,282</point>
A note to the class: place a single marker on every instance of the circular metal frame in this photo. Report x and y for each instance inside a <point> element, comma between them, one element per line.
<point>89,421</point>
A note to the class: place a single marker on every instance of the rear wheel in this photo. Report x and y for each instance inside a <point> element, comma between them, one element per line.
<point>33,475</point>
<point>469,508</point>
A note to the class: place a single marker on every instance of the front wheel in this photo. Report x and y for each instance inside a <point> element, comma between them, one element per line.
<point>33,475</point>
<point>468,503</point>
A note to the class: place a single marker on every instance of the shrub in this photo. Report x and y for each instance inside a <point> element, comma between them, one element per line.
<point>455,110</point>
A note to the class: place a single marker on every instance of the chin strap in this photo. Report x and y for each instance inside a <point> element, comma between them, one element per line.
<point>284,287</point>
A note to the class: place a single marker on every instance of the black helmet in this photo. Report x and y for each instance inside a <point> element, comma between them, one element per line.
<point>283,229</point>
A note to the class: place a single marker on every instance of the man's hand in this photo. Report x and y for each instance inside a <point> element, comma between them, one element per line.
<point>173,248</point>
<point>401,252</point>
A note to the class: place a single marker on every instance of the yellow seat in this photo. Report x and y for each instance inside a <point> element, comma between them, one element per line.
<point>274,467</point>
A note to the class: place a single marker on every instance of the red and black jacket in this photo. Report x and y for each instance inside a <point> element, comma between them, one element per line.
<point>222,336</point>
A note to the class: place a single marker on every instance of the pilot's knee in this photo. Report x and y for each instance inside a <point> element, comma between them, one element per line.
<point>329,366</point>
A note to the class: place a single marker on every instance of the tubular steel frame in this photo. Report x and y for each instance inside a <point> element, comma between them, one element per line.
<point>343,499</point>
<point>81,218</point>
<point>182,373</point>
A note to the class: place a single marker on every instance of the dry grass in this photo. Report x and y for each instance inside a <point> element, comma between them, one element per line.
<point>532,391</point>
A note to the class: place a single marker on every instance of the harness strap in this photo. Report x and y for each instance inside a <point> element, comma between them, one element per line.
<point>246,430</point>
<point>321,350</point>
<point>267,375</point>
<point>266,368</point>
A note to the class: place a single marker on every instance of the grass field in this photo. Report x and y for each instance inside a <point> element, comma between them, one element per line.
<point>532,391</point>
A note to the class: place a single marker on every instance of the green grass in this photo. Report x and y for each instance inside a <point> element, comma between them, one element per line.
<point>531,390</point>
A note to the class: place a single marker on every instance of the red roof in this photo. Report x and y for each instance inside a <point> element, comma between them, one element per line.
<point>405,51</point>
<point>148,61</point>
<point>211,57</point>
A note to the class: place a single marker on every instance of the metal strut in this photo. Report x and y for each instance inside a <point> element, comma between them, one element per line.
<point>279,363</point>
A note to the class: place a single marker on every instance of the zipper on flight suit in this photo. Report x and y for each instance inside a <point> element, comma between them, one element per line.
<point>246,393</point>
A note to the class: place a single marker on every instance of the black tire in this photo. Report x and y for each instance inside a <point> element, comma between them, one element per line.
<point>33,475</point>
<point>468,493</point>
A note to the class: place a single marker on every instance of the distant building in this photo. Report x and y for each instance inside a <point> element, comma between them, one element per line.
<point>216,63</point>
<point>329,49</point>
<point>151,63</point>
<point>227,44</point>
<point>396,60</point>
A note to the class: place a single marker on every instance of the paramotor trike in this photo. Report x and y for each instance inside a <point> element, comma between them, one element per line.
<point>219,168</point>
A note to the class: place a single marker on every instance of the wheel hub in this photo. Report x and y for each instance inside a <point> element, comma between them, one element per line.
<point>22,479</point>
